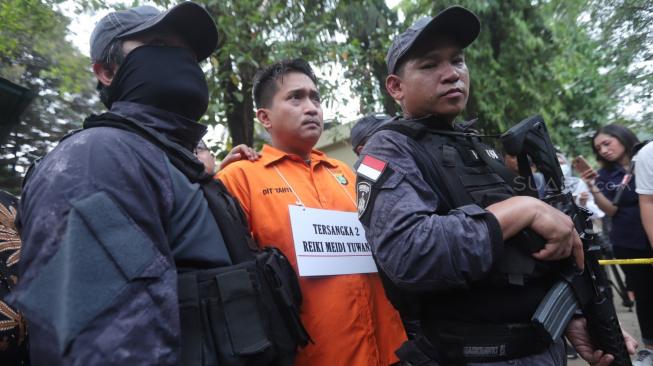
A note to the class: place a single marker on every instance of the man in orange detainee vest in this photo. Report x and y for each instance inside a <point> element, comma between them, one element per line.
<point>303,202</point>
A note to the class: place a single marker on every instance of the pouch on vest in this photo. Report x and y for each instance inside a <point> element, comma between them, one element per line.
<point>241,315</point>
<point>229,317</point>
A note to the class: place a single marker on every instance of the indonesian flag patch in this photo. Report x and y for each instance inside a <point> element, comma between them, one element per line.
<point>371,168</point>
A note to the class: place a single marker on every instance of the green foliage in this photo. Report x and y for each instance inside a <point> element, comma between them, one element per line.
<point>36,55</point>
<point>20,19</point>
<point>369,26</point>
<point>625,37</point>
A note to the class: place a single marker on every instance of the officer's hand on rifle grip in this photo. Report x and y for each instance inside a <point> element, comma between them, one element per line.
<point>560,235</point>
<point>557,229</point>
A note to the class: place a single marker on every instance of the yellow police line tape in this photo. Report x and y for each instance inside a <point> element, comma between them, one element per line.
<point>605,262</point>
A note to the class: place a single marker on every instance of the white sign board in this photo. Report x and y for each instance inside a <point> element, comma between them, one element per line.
<point>329,242</point>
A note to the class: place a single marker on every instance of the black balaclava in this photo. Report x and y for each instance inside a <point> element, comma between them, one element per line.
<point>167,78</point>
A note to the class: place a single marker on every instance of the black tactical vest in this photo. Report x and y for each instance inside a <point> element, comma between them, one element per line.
<point>465,171</point>
<point>246,314</point>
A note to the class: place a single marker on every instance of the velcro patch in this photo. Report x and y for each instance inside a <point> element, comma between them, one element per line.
<point>363,193</point>
<point>371,168</point>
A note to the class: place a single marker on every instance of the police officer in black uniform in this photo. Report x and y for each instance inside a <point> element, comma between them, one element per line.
<point>132,254</point>
<point>440,219</point>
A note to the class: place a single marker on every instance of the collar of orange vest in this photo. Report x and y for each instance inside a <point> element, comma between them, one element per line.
<point>271,155</point>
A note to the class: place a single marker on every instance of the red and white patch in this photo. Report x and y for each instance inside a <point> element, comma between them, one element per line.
<point>371,168</point>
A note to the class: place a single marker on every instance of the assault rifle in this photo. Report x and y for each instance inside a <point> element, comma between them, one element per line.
<point>587,290</point>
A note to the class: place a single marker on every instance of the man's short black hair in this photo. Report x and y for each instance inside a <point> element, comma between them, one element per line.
<point>265,81</point>
<point>113,55</point>
<point>420,49</point>
<point>401,65</point>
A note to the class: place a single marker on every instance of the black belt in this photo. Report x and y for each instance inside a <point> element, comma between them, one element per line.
<point>459,343</point>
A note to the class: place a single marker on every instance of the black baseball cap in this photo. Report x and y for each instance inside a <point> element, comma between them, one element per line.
<point>456,21</point>
<point>190,20</point>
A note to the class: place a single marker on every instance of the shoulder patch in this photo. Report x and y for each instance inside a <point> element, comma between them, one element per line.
<point>363,193</point>
<point>371,168</point>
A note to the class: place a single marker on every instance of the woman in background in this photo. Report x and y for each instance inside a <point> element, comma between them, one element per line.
<point>613,146</point>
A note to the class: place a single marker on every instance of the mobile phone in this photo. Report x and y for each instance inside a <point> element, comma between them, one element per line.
<point>580,164</point>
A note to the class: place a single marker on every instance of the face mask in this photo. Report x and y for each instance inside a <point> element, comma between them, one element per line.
<point>167,78</point>
<point>566,170</point>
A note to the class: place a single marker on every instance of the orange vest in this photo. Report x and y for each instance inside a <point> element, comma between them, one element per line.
<point>348,316</point>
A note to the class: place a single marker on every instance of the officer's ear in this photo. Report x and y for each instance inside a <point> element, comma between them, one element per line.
<point>263,116</point>
<point>104,73</point>
<point>394,87</point>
